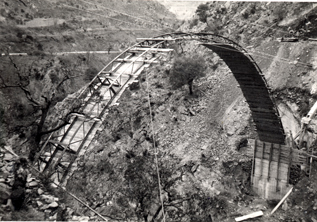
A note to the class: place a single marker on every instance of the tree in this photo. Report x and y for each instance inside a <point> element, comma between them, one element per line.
<point>202,12</point>
<point>37,86</point>
<point>185,70</point>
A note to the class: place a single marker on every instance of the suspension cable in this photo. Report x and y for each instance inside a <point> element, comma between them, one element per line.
<point>155,149</point>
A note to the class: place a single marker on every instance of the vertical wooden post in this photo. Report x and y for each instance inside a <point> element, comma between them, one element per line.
<point>262,156</point>
<point>131,70</point>
<point>278,166</point>
<point>253,162</point>
<point>48,163</point>
<point>270,160</point>
<point>289,166</point>
<point>311,161</point>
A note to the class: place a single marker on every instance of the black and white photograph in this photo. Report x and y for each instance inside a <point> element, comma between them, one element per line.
<point>158,110</point>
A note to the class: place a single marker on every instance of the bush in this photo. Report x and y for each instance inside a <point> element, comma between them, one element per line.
<point>279,12</point>
<point>90,73</point>
<point>202,12</point>
<point>193,23</point>
<point>28,215</point>
<point>185,70</point>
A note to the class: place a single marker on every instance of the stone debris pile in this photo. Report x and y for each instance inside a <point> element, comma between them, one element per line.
<point>18,188</point>
<point>7,164</point>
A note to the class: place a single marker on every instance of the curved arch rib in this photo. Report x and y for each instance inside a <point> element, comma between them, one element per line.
<point>250,78</point>
<point>255,91</point>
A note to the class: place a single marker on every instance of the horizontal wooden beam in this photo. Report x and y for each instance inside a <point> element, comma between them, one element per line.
<point>131,60</point>
<point>151,49</point>
<point>62,146</point>
<point>155,39</point>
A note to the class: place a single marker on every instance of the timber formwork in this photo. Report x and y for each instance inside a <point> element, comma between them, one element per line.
<point>271,167</point>
<point>61,149</point>
<point>252,82</point>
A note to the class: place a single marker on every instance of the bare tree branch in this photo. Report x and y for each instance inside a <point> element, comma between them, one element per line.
<point>56,128</point>
<point>29,96</point>
<point>66,77</point>
<point>5,85</point>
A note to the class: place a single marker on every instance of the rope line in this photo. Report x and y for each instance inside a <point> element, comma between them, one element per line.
<point>155,150</point>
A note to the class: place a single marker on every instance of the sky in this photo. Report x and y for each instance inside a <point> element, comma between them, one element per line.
<point>183,9</point>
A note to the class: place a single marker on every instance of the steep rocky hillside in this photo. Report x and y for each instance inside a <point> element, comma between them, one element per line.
<point>205,175</point>
<point>289,67</point>
<point>45,59</point>
<point>45,29</point>
<point>197,141</point>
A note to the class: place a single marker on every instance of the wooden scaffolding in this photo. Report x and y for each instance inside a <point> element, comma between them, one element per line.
<point>271,167</point>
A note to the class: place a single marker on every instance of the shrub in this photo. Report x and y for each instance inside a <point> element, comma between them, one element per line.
<point>279,13</point>
<point>193,23</point>
<point>29,214</point>
<point>185,70</point>
<point>90,73</point>
<point>202,12</point>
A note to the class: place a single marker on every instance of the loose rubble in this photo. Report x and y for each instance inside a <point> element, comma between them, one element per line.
<point>17,184</point>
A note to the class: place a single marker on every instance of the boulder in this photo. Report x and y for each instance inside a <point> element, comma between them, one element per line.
<point>30,178</point>
<point>4,193</point>
<point>313,89</point>
<point>40,191</point>
<point>39,203</point>
<point>161,108</point>
<point>8,157</point>
<point>285,206</point>
<point>53,205</point>
<point>33,184</point>
<point>47,198</point>
<point>17,197</point>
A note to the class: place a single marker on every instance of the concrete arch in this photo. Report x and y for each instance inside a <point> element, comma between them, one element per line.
<point>249,76</point>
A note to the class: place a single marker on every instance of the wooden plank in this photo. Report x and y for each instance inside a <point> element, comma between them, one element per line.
<point>257,74</point>
<point>283,199</point>
<point>278,166</point>
<point>270,160</point>
<point>156,39</point>
<point>253,161</point>
<point>272,131</point>
<point>262,159</point>
<point>250,82</point>
<point>274,134</point>
<point>264,120</point>
<point>249,216</point>
<point>290,164</point>
<point>259,105</point>
<point>262,110</point>
<point>271,126</point>
<point>78,150</point>
<point>135,61</point>
<point>257,114</point>
<point>269,138</point>
<point>137,49</point>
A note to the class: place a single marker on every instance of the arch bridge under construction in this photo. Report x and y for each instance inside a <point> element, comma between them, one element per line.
<point>61,148</point>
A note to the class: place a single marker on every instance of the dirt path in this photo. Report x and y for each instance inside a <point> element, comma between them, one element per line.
<point>64,53</point>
